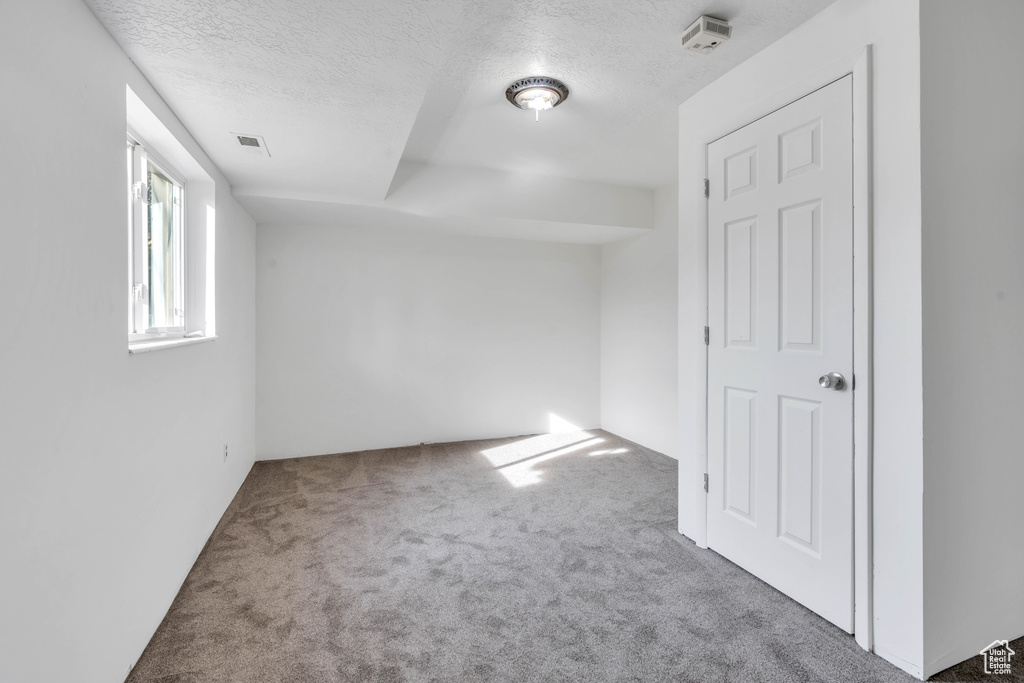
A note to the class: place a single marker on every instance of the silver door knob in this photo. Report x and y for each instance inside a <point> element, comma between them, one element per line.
<point>832,380</point>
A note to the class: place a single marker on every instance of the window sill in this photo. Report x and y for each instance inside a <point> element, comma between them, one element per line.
<point>159,344</point>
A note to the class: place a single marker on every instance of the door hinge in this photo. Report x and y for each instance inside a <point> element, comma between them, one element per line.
<point>705,482</point>
<point>707,336</point>
<point>707,188</point>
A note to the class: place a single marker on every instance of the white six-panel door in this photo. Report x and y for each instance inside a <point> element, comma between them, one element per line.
<point>780,446</point>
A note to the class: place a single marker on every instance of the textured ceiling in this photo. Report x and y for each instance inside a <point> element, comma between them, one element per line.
<point>343,91</point>
<point>625,67</point>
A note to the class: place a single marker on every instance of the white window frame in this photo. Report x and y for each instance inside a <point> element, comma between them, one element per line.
<point>141,158</point>
<point>154,142</point>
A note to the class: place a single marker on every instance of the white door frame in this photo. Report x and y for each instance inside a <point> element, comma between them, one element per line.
<point>723,121</point>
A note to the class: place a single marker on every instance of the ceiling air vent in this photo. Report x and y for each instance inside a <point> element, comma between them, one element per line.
<point>705,34</point>
<point>253,144</point>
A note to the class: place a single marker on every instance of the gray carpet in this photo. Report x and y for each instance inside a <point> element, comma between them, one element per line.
<point>973,670</point>
<point>428,563</point>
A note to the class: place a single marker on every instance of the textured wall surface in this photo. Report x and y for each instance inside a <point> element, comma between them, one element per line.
<point>111,466</point>
<point>373,337</point>
<point>639,332</point>
<point>972,244</point>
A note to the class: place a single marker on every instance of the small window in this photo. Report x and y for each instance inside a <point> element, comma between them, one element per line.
<point>172,244</point>
<point>157,215</point>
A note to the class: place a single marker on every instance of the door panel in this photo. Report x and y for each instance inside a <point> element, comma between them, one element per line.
<point>741,173</point>
<point>780,458</point>
<point>799,459</point>
<point>740,452</point>
<point>741,278</point>
<point>800,274</point>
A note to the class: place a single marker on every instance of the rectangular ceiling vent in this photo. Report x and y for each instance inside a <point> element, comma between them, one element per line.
<point>253,144</point>
<point>705,34</point>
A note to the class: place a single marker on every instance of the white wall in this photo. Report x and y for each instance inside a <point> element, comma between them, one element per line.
<point>796,64</point>
<point>112,476</point>
<point>973,244</point>
<point>372,337</point>
<point>639,340</point>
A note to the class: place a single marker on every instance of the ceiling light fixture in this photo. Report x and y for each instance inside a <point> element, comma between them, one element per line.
<point>537,93</point>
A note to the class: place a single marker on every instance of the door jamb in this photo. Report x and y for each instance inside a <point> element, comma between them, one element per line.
<point>859,65</point>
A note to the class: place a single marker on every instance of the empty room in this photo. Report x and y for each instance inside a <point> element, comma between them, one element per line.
<point>519,341</point>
